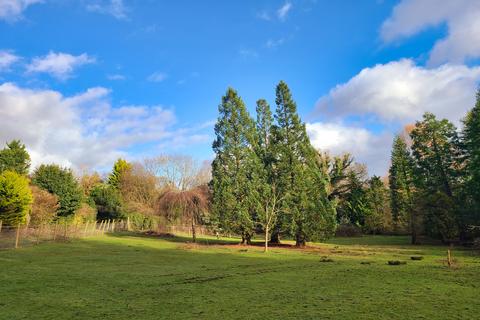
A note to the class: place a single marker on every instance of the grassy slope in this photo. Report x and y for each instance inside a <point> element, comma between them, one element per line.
<point>145,278</point>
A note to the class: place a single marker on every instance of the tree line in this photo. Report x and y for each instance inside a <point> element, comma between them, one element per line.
<point>267,179</point>
<point>150,192</point>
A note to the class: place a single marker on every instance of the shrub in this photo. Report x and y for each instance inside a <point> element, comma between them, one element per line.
<point>44,207</point>
<point>61,182</point>
<point>348,230</point>
<point>108,202</point>
<point>140,221</point>
<point>15,198</point>
<point>85,213</point>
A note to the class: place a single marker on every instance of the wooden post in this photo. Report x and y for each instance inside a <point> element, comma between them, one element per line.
<point>37,240</point>
<point>86,229</point>
<point>0,225</point>
<point>449,258</point>
<point>113,225</point>
<point>128,223</point>
<point>18,236</point>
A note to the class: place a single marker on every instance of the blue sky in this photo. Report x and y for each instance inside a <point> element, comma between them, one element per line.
<point>95,80</point>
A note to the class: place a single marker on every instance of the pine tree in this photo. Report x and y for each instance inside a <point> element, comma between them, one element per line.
<point>379,217</point>
<point>15,157</point>
<point>401,186</point>
<point>235,169</point>
<point>15,198</point>
<point>471,145</point>
<point>61,182</point>
<point>436,151</point>
<point>437,157</point>
<point>120,167</point>
<point>308,212</point>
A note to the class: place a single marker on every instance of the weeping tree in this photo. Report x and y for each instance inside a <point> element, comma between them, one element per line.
<point>190,205</point>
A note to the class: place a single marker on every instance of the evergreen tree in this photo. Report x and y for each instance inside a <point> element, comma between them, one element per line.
<point>355,204</point>
<point>235,169</point>
<point>15,198</point>
<point>120,167</point>
<point>61,182</point>
<point>437,157</point>
<point>401,187</point>
<point>308,212</point>
<point>379,218</point>
<point>471,144</point>
<point>15,157</point>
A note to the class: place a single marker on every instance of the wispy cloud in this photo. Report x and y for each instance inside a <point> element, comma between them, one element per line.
<point>248,53</point>
<point>273,43</point>
<point>115,8</point>
<point>59,65</point>
<point>116,77</point>
<point>264,15</point>
<point>157,77</point>
<point>12,10</point>
<point>283,11</point>
<point>7,58</point>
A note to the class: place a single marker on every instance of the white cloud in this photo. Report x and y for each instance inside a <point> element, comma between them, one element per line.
<point>248,53</point>
<point>400,91</point>
<point>264,15</point>
<point>462,18</point>
<point>366,147</point>
<point>116,77</point>
<point>11,10</point>
<point>283,11</point>
<point>115,8</point>
<point>7,58</point>
<point>157,77</point>
<point>59,65</point>
<point>83,130</point>
<point>272,43</point>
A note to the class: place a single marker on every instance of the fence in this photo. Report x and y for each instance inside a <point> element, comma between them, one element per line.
<point>25,235</point>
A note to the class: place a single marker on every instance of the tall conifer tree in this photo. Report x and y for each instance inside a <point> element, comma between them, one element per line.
<point>310,215</point>
<point>401,186</point>
<point>235,168</point>
<point>471,145</point>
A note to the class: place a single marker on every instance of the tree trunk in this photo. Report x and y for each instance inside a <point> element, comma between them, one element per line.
<point>194,234</point>
<point>300,240</point>
<point>266,238</point>
<point>275,238</point>
<point>413,227</point>
<point>248,238</point>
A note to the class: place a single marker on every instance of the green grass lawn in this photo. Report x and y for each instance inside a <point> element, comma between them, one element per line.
<point>128,277</point>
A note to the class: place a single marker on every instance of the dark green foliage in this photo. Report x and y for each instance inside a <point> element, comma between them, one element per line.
<point>15,198</point>
<point>436,151</point>
<point>15,157</point>
<point>379,217</point>
<point>235,168</point>
<point>108,201</point>
<point>401,184</point>
<point>471,144</point>
<point>61,182</point>
<point>437,158</point>
<point>439,215</point>
<point>309,214</point>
